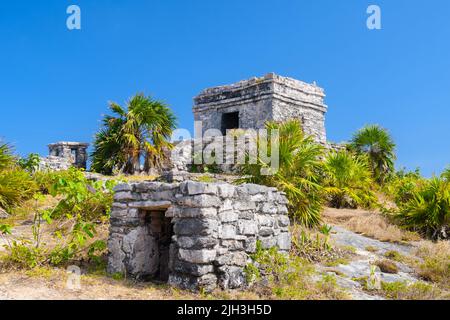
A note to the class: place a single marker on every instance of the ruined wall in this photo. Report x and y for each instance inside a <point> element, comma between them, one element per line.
<point>215,227</point>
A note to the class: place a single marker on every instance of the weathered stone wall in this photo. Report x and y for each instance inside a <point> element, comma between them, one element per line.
<point>215,228</point>
<point>53,163</point>
<point>258,100</point>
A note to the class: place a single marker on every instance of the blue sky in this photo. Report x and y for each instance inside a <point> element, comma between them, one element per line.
<point>55,83</point>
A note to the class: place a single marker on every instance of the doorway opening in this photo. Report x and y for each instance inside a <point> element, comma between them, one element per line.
<point>229,121</point>
<point>162,231</point>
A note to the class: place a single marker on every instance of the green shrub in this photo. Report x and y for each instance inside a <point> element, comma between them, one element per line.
<point>30,163</point>
<point>81,197</point>
<point>402,187</point>
<point>428,210</point>
<point>347,181</point>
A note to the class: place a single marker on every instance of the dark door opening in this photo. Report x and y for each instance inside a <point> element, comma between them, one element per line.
<point>229,121</point>
<point>162,231</point>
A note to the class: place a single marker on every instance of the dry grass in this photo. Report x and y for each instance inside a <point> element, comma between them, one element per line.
<point>412,291</point>
<point>387,266</point>
<point>370,224</point>
<point>436,262</point>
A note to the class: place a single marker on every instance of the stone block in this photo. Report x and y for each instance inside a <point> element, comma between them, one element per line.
<point>227,231</point>
<point>195,242</point>
<point>247,227</point>
<point>197,256</point>
<point>200,201</point>
<point>195,227</point>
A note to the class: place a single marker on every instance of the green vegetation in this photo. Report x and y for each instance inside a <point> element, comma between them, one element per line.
<point>348,181</point>
<point>283,276</point>
<point>297,175</point>
<point>428,209</point>
<point>141,130</point>
<point>79,206</point>
<point>16,184</point>
<point>378,145</point>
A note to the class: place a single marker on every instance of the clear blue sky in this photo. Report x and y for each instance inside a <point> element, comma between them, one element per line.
<point>55,83</point>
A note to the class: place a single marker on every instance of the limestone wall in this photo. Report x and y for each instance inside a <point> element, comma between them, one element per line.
<point>215,226</point>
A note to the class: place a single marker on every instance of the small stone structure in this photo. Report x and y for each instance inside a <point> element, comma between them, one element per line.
<point>248,104</point>
<point>194,235</point>
<point>63,155</point>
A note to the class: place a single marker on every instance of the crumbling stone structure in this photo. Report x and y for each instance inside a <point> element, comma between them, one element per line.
<point>191,234</point>
<point>250,103</point>
<point>63,155</point>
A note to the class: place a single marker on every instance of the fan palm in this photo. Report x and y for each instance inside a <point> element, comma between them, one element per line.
<point>297,176</point>
<point>6,157</point>
<point>429,209</point>
<point>347,180</point>
<point>141,130</point>
<point>378,145</point>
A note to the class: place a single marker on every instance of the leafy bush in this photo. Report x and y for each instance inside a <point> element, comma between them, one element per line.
<point>80,197</point>
<point>30,163</point>
<point>428,210</point>
<point>348,182</point>
<point>298,173</point>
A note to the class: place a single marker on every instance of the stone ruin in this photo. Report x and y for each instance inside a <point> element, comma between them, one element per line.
<point>248,104</point>
<point>194,235</point>
<point>63,155</point>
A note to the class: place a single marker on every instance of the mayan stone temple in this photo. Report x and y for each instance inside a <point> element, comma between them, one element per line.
<point>64,154</point>
<point>198,235</point>
<point>250,103</point>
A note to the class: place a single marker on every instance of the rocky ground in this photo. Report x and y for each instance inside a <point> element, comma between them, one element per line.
<point>359,266</point>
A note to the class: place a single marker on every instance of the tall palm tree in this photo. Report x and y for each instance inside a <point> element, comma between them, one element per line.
<point>139,131</point>
<point>378,145</point>
<point>298,173</point>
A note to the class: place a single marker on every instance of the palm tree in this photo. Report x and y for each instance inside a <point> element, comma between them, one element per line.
<point>297,176</point>
<point>6,157</point>
<point>378,145</point>
<point>141,130</point>
<point>348,180</point>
